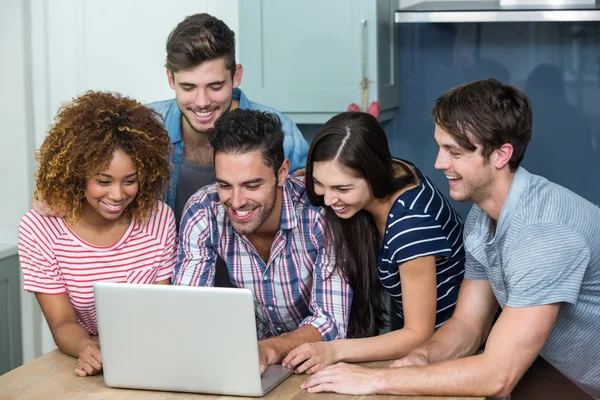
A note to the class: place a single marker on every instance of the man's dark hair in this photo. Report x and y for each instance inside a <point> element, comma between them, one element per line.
<point>488,113</point>
<point>199,38</point>
<point>243,131</point>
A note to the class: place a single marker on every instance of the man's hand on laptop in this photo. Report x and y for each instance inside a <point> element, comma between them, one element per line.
<point>90,360</point>
<point>266,355</point>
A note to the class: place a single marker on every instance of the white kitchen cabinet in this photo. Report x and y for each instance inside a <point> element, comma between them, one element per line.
<point>310,59</point>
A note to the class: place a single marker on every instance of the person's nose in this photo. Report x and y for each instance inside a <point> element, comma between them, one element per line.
<point>202,100</point>
<point>442,161</point>
<point>329,198</point>
<point>116,193</point>
<point>237,198</point>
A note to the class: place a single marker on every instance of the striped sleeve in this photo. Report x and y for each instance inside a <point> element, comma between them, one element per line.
<point>415,235</point>
<point>331,295</point>
<point>196,259</point>
<point>167,234</point>
<point>40,271</point>
<point>546,265</point>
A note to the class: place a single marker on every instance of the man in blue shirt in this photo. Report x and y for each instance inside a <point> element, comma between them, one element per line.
<point>201,68</point>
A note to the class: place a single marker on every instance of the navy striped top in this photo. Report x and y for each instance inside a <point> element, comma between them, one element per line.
<point>422,223</point>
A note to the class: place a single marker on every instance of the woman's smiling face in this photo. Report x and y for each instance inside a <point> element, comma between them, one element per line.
<point>341,189</point>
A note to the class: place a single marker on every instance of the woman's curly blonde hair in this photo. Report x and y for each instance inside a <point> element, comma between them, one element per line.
<point>82,141</point>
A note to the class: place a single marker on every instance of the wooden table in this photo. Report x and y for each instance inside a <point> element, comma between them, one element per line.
<point>51,376</point>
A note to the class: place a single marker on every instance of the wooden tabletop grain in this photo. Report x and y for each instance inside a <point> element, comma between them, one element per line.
<point>52,376</point>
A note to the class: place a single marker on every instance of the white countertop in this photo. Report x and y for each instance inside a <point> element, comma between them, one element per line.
<point>7,250</point>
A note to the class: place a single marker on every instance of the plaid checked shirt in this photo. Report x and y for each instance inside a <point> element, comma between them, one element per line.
<point>296,287</point>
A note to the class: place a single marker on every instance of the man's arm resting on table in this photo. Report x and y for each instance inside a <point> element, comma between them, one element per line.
<point>514,342</point>
<point>465,331</point>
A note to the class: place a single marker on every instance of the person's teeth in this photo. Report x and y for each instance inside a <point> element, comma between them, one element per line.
<point>112,206</point>
<point>243,213</point>
<point>203,114</point>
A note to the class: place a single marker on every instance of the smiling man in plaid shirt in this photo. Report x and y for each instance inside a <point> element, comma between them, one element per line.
<point>259,220</point>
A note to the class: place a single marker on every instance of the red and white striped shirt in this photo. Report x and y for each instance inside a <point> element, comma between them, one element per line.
<point>55,260</point>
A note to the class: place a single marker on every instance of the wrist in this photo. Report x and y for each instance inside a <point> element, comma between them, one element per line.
<point>337,350</point>
<point>269,348</point>
<point>84,342</point>
<point>381,381</point>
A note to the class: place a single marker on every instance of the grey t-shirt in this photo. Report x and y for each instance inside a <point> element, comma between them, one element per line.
<point>546,250</point>
<point>191,178</point>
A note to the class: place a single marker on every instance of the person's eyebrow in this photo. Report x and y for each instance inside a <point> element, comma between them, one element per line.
<point>216,83</point>
<point>253,181</point>
<point>348,185</point>
<point>110,176</point>
<point>248,182</point>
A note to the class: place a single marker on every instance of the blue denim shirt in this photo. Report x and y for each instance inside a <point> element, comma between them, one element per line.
<point>295,146</point>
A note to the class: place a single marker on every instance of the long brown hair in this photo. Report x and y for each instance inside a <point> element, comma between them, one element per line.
<point>357,141</point>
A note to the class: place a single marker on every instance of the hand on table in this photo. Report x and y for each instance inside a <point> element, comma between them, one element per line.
<point>90,360</point>
<point>311,357</point>
<point>343,378</point>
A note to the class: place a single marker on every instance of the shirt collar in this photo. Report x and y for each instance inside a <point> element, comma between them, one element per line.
<point>482,233</point>
<point>289,219</point>
<point>173,123</point>
<point>241,97</point>
<point>518,185</point>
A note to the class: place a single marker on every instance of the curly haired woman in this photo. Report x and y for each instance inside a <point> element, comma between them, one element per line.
<point>102,167</point>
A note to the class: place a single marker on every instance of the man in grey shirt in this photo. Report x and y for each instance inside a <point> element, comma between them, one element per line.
<point>532,246</point>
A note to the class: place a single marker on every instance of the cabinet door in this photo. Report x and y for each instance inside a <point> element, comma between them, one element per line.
<point>304,58</point>
<point>10,315</point>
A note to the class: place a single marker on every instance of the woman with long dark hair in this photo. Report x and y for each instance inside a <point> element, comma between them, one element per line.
<point>391,229</point>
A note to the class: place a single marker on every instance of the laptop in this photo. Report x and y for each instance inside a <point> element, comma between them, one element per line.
<point>182,339</point>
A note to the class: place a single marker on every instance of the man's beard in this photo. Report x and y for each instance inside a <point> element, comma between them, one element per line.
<point>264,212</point>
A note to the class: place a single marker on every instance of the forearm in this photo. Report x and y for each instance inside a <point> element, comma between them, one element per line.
<point>71,338</point>
<point>278,347</point>
<point>453,340</point>
<point>392,345</point>
<point>470,376</point>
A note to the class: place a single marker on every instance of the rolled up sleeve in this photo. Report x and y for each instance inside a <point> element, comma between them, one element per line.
<point>331,296</point>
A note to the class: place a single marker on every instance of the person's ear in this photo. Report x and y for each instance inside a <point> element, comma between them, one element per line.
<point>237,76</point>
<point>502,155</point>
<point>171,78</point>
<point>284,170</point>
